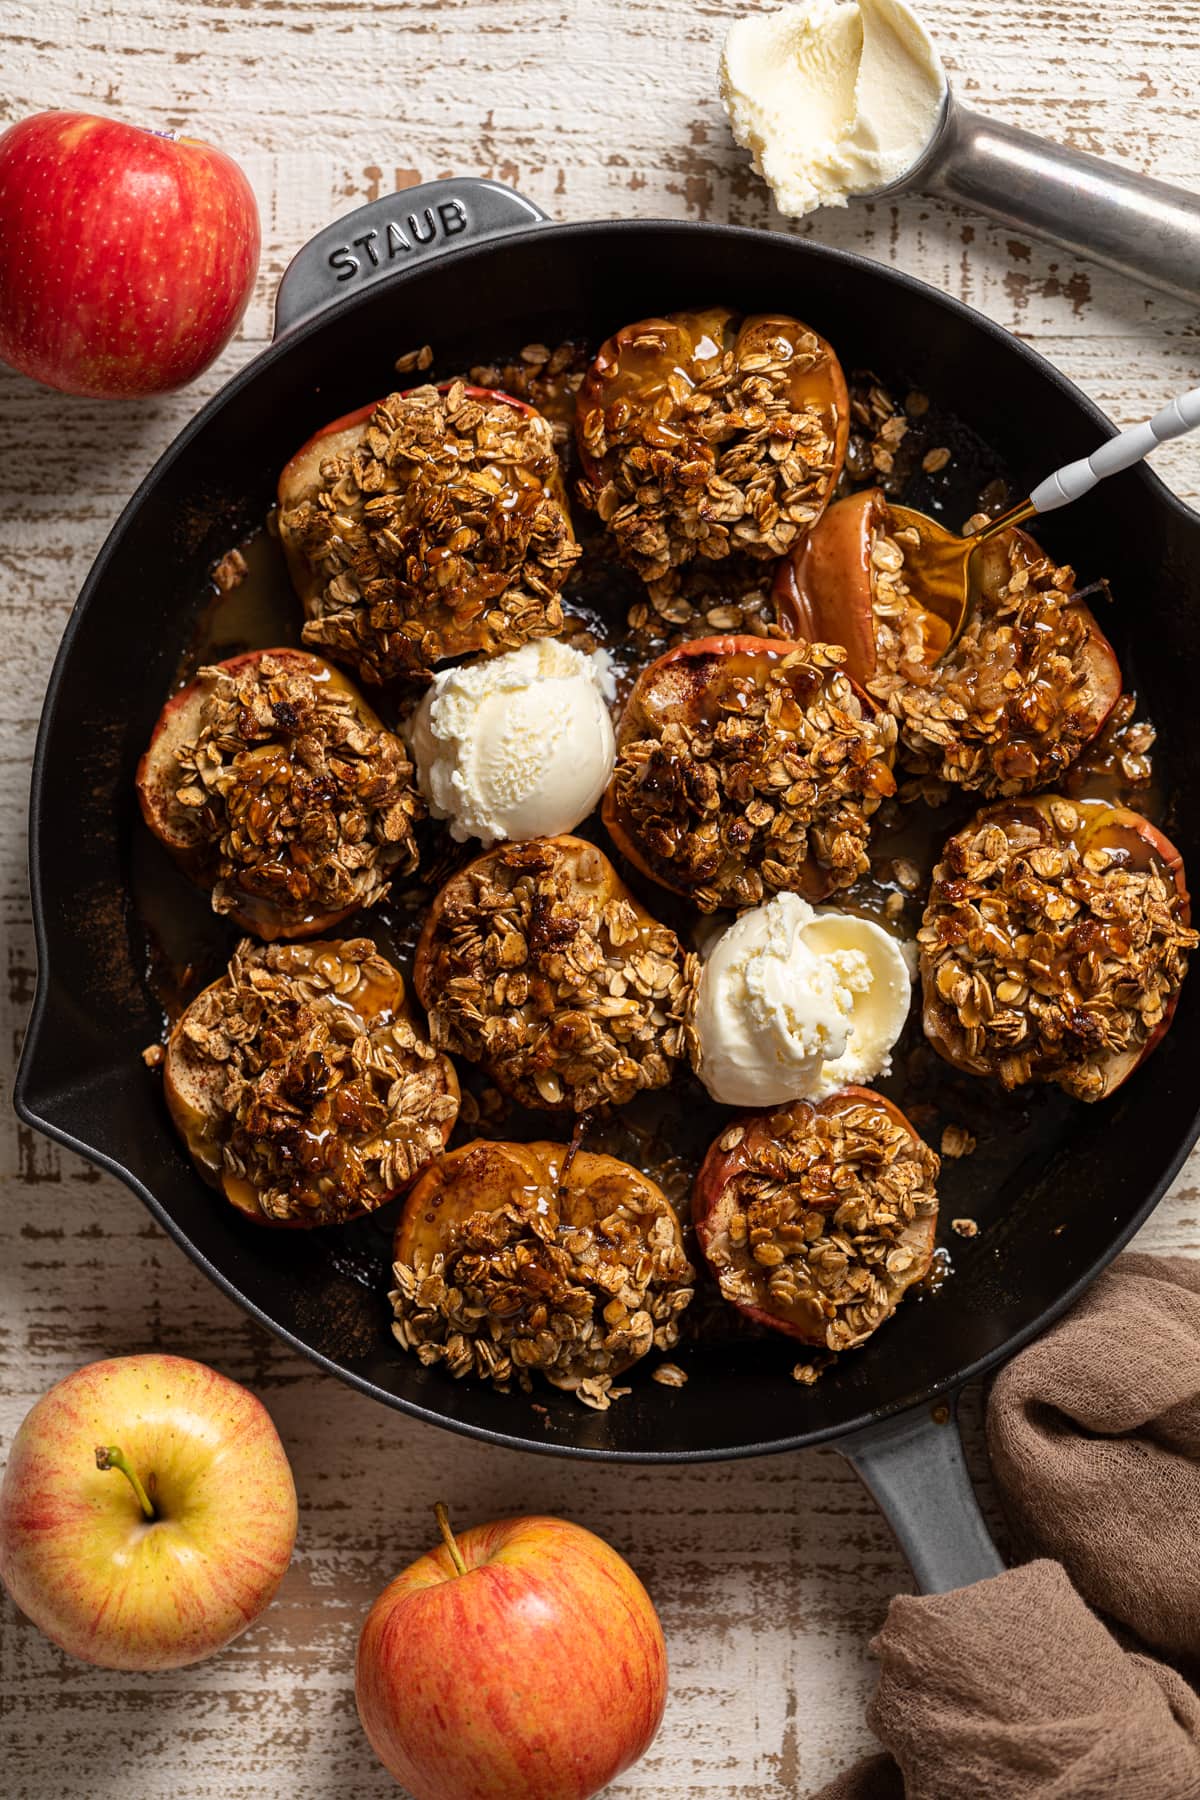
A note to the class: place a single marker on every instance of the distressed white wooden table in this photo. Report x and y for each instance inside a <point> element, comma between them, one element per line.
<point>770,1576</point>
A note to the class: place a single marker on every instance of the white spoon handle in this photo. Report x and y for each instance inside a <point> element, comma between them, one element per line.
<point>1078,478</point>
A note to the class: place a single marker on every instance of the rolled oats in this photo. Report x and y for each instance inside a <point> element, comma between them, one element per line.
<point>956,1142</point>
<point>318,1094</point>
<point>444,531</point>
<point>824,1221</point>
<point>540,965</point>
<point>739,776</point>
<point>287,797</point>
<point>670,1375</point>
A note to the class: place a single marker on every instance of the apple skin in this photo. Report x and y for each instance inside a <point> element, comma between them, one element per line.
<point>76,1553</point>
<point>126,257</point>
<point>721,1167</point>
<point>158,775</point>
<point>540,1674</point>
<point>1101,826</point>
<point>678,678</point>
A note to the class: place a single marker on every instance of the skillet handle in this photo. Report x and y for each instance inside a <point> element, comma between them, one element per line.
<point>1144,229</point>
<point>394,233</point>
<point>913,1466</point>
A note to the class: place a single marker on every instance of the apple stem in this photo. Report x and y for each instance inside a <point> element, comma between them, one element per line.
<point>108,1456</point>
<point>582,1122</point>
<point>448,1538</point>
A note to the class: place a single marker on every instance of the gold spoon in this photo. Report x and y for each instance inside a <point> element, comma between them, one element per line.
<point>937,563</point>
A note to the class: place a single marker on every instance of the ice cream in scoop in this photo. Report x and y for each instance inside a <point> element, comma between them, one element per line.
<point>796,1002</point>
<point>831,97</point>
<point>517,746</point>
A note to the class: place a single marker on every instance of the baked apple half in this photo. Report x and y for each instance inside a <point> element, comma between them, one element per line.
<point>1054,944</point>
<point>748,767</point>
<point>537,962</point>
<point>817,1219</point>
<point>272,782</point>
<point>1029,682</point>
<point>429,525</point>
<point>705,433</point>
<point>511,1258</point>
<point>301,1086</point>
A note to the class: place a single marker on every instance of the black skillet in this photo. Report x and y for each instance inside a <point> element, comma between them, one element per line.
<point>475,268</point>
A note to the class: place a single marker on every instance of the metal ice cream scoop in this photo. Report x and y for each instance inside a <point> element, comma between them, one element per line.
<point>1142,228</point>
<point>937,567</point>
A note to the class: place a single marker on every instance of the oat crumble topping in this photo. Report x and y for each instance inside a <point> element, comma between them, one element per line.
<point>880,448</point>
<point>826,1219</point>
<point>445,531</point>
<point>701,598</point>
<point>1042,960</point>
<point>305,1079</point>
<point>539,964</point>
<point>740,775</point>
<point>688,451</point>
<point>571,1266</point>
<point>549,379</point>
<point>288,797</point>
<point>1014,701</point>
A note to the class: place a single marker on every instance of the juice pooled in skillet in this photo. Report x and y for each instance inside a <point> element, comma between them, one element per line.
<point>302,1088</point>
<point>272,782</point>
<point>427,526</point>
<point>706,433</point>
<point>537,962</point>
<point>1054,944</point>
<point>816,1220</point>
<point>747,767</point>
<point>1004,710</point>
<point>516,1258</point>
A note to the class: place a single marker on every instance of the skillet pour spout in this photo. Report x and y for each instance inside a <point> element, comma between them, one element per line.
<point>478,272</point>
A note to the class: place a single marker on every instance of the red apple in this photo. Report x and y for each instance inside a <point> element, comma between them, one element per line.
<point>1098,826</point>
<point>300,478</point>
<point>164,1564</point>
<point>805,1313</point>
<point>126,256</point>
<point>158,778</point>
<point>521,1661</point>
<point>698,685</point>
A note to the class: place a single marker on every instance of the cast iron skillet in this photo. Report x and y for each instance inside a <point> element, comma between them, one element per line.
<point>475,269</point>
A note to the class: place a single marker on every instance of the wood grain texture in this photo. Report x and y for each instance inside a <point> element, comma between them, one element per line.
<point>770,1576</point>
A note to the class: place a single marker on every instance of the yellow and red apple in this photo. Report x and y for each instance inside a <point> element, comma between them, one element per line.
<point>521,1659</point>
<point>147,1513</point>
<point>127,256</point>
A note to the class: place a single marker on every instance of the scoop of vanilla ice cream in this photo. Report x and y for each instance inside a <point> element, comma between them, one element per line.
<point>519,745</point>
<point>796,1002</point>
<point>831,97</point>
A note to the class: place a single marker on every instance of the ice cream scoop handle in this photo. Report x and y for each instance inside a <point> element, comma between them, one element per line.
<point>1145,229</point>
<point>1121,452</point>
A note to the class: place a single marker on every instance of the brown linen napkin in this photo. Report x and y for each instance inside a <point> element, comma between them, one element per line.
<point>1012,1689</point>
<point>1094,1435</point>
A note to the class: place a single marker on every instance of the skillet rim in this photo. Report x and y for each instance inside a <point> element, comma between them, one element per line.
<point>855,264</point>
